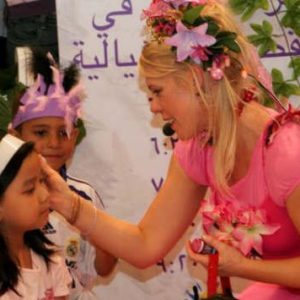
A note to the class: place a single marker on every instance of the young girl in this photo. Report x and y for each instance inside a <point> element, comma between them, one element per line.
<point>48,114</point>
<point>29,268</point>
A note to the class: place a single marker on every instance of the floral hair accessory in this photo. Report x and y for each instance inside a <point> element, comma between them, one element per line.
<point>194,37</point>
<point>41,100</point>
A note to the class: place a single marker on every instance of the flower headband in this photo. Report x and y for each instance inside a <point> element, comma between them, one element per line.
<point>41,100</point>
<point>9,145</point>
<point>195,38</point>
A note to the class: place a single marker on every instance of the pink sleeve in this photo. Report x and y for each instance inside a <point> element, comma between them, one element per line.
<point>282,163</point>
<point>192,158</point>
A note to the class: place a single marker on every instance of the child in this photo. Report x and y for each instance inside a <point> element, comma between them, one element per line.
<point>47,114</point>
<point>28,267</point>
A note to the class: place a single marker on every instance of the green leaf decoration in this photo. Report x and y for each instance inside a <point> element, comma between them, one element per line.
<point>226,34</point>
<point>295,65</point>
<point>212,28</point>
<point>192,14</point>
<point>82,131</point>
<point>228,42</point>
<point>206,64</point>
<point>277,76</point>
<point>263,39</point>
<point>282,87</point>
<point>5,114</point>
<point>291,19</point>
<point>247,8</point>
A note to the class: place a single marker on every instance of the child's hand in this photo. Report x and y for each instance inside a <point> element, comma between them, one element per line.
<point>230,259</point>
<point>60,195</point>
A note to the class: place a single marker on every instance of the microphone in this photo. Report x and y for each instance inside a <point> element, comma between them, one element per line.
<point>167,129</point>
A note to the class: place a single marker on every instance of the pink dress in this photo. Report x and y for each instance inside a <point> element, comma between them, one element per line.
<point>272,176</point>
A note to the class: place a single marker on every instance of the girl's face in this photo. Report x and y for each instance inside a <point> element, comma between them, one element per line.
<point>50,138</point>
<point>178,105</point>
<point>24,205</point>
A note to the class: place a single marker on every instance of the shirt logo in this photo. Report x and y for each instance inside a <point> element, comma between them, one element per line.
<point>49,229</point>
<point>72,248</point>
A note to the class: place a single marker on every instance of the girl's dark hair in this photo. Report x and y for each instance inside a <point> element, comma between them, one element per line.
<point>34,239</point>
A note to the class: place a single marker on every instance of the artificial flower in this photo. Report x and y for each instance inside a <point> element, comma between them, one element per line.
<point>185,40</point>
<point>250,237</point>
<point>200,54</point>
<point>156,9</point>
<point>164,28</point>
<point>180,23</point>
<point>240,228</point>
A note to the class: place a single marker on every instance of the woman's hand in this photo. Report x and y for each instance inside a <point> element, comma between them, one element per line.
<point>60,195</point>
<point>230,259</point>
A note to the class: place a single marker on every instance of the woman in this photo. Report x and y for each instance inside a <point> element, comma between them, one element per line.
<point>203,80</point>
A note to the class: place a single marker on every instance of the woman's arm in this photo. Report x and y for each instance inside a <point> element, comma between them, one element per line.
<point>285,272</point>
<point>104,262</point>
<point>169,215</point>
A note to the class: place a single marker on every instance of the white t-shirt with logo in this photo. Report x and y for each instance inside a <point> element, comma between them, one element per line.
<point>40,283</point>
<point>79,254</point>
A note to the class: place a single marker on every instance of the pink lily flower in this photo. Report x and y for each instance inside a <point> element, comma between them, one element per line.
<point>250,237</point>
<point>187,39</point>
<point>243,229</point>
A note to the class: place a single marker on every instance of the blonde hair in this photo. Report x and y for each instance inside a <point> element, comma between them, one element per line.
<point>221,97</point>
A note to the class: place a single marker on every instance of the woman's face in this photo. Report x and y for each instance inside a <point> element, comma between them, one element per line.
<point>179,105</point>
<point>24,205</point>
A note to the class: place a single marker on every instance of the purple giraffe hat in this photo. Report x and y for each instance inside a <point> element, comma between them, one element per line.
<point>39,101</point>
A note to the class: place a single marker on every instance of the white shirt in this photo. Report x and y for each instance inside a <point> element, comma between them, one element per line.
<point>79,253</point>
<point>39,283</point>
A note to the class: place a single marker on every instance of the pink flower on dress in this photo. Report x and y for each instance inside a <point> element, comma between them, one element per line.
<point>291,114</point>
<point>250,237</point>
<point>241,228</point>
<point>185,40</point>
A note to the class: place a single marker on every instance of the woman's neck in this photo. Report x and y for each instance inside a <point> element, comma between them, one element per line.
<point>251,125</point>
